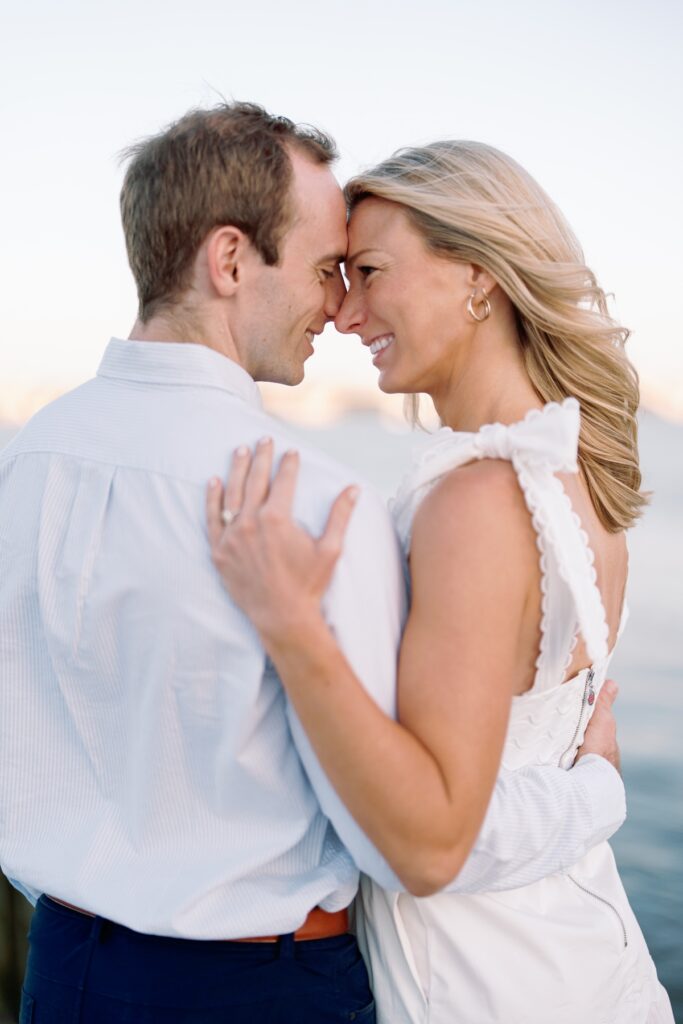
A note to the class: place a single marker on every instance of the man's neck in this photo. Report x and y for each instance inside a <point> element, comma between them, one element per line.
<point>181,329</point>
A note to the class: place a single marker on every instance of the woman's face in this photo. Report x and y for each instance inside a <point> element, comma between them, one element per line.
<point>407,305</point>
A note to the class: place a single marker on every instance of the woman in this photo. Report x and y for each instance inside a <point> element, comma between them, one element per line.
<point>467,284</point>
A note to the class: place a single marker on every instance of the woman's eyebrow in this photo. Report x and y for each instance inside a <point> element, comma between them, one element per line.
<point>357,255</point>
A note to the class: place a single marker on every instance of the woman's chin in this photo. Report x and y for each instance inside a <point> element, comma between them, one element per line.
<point>391,385</point>
<point>387,383</point>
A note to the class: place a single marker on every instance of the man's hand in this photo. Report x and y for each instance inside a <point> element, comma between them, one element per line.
<point>601,734</point>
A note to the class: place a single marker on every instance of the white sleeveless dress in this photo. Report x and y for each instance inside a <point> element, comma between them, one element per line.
<point>567,949</point>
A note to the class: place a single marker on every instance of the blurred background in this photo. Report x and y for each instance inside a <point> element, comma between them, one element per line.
<point>587,96</point>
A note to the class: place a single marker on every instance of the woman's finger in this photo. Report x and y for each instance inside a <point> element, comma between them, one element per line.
<point>233,495</point>
<point>258,477</point>
<point>283,486</point>
<point>332,539</point>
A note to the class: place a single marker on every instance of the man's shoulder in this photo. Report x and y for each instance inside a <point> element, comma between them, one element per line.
<point>188,435</point>
<point>322,477</point>
<point>41,431</point>
<point>315,461</point>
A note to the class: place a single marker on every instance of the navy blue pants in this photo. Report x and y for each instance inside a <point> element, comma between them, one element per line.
<point>89,970</point>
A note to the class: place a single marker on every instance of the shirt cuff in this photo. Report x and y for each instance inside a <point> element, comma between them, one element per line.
<point>32,895</point>
<point>605,794</point>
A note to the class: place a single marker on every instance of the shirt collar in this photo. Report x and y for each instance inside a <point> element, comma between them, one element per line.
<point>166,362</point>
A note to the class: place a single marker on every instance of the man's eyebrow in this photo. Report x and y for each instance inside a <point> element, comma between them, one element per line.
<point>357,255</point>
<point>334,257</point>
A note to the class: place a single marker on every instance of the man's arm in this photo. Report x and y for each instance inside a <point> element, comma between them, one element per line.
<point>32,895</point>
<point>540,821</point>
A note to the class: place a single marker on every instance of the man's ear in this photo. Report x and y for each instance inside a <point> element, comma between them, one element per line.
<point>227,251</point>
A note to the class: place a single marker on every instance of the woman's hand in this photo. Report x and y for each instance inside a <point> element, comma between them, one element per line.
<point>273,569</point>
<point>601,734</point>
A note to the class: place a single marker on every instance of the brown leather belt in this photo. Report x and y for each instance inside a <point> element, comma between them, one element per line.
<point>318,925</point>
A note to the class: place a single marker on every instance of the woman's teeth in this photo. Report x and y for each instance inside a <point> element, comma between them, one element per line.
<point>381,343</point>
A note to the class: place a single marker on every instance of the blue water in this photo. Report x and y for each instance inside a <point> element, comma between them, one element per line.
<point>648,667</point>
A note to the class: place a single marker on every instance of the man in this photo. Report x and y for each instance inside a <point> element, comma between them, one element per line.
<point>157,795</point>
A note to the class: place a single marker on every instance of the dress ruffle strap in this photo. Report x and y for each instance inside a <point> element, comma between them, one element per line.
<point>544,443</point>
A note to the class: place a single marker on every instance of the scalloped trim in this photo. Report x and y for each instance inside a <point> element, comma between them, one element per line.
<point>587,598</point>
<point>571,404</point>
<point>449,449</point>
<point>570,653</point>
<point>540,663</point>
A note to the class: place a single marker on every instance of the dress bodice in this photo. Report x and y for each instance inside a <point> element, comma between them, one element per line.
<point>548,721</point>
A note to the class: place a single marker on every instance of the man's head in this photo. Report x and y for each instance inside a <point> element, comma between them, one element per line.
<point>235,226</point>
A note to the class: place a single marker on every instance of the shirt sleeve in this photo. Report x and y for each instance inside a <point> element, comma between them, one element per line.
<point>540,819</point>
<point>365,608</point>
<point>32,895</point>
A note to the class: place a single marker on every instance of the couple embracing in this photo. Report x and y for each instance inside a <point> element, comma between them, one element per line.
<point>225,696</point>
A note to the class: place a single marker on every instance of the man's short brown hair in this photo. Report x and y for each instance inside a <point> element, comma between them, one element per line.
<point>226,165</point>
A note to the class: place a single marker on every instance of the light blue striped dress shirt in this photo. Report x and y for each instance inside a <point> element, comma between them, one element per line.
<point>151,769</point>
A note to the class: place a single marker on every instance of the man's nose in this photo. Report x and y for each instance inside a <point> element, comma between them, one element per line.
<point>335,292</point>
<point>350,317</point>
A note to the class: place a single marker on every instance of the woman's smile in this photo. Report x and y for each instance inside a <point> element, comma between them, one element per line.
<point>379,345</point>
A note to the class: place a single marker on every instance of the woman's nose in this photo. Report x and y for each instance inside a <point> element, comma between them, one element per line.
<point>350,317</point>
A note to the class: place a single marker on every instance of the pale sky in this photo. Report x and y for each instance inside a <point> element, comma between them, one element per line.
<point>586,94</point>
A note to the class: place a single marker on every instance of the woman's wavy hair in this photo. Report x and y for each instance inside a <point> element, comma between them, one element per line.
<point>472,203</point>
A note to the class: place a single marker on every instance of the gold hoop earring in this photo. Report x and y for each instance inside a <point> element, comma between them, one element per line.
<point>487,306</point>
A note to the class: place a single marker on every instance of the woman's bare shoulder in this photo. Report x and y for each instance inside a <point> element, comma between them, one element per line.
<point>470,498</point>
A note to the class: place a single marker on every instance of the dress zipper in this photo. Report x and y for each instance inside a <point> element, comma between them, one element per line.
<point>587,701</point>
<point>607,903</point>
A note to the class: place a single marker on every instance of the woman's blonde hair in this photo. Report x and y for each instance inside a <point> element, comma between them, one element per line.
<point>470,202</point>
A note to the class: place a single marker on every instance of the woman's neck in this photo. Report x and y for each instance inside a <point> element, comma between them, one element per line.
<point>492,386</point>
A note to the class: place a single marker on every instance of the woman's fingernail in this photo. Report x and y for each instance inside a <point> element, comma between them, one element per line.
<point>214,482</point>
<point>264,441</point>
<point>291,452</point>
<point>353,494</point>
<point>241,451</point>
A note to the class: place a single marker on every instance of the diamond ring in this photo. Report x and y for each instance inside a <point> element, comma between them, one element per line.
<point>228,517</point>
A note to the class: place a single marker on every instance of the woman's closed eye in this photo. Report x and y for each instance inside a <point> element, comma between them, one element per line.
<point>366,271</point>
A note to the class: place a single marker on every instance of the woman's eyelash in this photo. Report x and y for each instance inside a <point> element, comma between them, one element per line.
<point>366,271</point>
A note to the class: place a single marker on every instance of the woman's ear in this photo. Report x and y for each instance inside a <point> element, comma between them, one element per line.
<point>479,278</point>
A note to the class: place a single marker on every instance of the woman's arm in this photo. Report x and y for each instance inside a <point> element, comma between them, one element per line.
<point>419,789</point>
